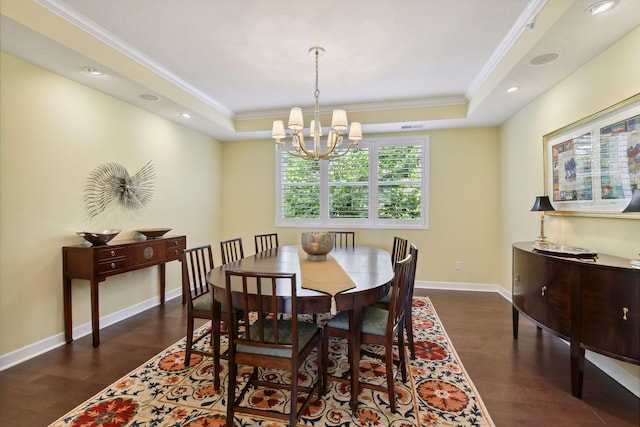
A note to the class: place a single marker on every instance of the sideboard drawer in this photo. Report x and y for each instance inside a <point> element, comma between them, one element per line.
<point>112,266</point>
<point>110,253</point>
<point>175,248</point>
<point>542,290</point>
<point>610,318</point>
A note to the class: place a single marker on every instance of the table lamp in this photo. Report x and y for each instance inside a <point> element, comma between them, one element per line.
<point>542,204</point>
<point>634,206</point>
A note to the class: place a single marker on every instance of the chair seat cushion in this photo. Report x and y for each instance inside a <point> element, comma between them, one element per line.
<point>203,303</point>
<point>374,321</point>
<point>306,332</point>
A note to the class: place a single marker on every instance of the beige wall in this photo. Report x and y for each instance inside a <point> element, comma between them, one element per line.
<point>464,224</point>
<point>609,78</point>
<point>54,132</point>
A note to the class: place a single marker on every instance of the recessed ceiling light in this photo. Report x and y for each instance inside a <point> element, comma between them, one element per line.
<point>93,71</point>
<point>186,115</point>
<point>513,89</point>
<point>545,58</point>
<point>149,97</point>
<point>600,7</point>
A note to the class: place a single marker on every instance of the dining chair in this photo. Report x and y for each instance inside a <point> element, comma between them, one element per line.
<point>196,263</point>
<point>231,250</point>
<point>344,239</point>
<point>270,343</point>
<point>381,327</point>
<point>385,301</point>
<point>265,241</point>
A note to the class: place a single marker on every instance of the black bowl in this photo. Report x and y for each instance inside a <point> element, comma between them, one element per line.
<point>97,239</point>
<point>153,233</point>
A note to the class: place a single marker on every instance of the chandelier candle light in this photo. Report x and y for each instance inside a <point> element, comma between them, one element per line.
<point>320,150</point>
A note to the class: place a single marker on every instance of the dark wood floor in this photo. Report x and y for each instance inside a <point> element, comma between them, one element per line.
<point>523,383</point>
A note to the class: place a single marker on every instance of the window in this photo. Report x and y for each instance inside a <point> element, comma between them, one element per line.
<point>383,184</point>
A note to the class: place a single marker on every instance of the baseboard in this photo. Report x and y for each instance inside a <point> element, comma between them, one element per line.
<point>458,286</point>
<point>32,350</point>
<point>604,363</point>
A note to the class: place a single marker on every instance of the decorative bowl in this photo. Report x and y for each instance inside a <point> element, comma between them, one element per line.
<point>153,233</point>
<point>97,239</point>
<point>317,244</point>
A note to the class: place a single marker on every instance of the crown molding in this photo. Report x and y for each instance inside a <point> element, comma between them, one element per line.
<point>525,21</point>
<point>70,15</point>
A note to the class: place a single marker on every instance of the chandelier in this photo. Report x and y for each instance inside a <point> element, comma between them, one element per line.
<point>329,149</point>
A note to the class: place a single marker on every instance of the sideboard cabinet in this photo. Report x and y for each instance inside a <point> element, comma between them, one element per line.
<point>592,303</point>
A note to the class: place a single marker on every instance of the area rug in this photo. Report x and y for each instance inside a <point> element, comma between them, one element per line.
<point>162,392</point>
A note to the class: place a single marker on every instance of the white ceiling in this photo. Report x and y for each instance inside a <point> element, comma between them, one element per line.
<point>237,65</point>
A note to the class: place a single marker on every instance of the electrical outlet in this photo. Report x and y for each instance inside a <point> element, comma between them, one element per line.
<point>458,265</point>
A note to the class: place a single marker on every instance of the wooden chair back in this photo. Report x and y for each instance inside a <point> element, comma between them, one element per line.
<point>344,239</point>
<point>265,241</point>
<point>231,250</point>
<point>399,296</point>
<point>259,305</point>
<point>399,250</point>
<point>196,263</point>
<point>408,316</point>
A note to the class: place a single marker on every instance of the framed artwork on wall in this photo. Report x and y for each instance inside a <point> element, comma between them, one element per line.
<point>592,166</point>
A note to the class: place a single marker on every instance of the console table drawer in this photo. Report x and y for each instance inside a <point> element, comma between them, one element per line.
<point>115,252</point>
<point>175,248</point>
<point>111,266</point>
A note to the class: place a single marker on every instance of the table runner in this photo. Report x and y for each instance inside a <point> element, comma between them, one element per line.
<point>324,276</point>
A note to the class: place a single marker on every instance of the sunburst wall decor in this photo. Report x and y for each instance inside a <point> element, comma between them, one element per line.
<point>111,181</point>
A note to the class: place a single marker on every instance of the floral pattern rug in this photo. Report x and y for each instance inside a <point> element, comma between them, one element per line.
<point>163,392</point>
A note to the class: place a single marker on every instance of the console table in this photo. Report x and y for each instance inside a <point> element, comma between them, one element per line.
<point>96,263</point>
<point>592,303</point>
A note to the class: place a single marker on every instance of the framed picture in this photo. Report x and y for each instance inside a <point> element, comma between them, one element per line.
<point>592,166</point>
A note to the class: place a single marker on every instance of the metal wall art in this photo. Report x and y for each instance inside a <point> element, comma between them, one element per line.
<point>111,181</point>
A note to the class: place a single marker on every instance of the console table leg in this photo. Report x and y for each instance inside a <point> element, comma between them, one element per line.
<point>163,274</point>
<point>515,316</point>
<point>95,314</point>
<point>66,295</point>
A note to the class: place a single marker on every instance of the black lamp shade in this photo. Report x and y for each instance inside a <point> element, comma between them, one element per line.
<point>634,204</point>
<point>542,203</point>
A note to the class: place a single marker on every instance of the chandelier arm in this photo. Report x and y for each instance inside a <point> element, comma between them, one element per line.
<point>296,154</point>
<point>302,146</point>
<point>325,155</point>
<point>340,154</point>
<point>328,154</point>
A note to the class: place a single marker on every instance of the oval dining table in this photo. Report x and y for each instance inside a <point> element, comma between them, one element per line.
<point>369,269</point>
